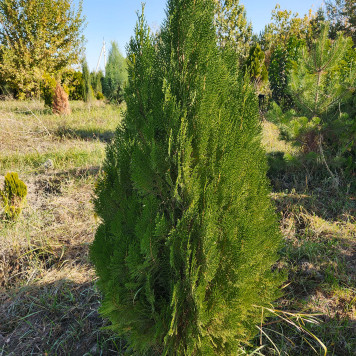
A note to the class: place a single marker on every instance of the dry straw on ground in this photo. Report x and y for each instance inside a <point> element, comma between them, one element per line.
<point>48,298</point>
<point>60,101</point>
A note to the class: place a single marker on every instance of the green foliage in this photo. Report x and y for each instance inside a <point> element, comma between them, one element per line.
<point>342,16</point>
<point>232,26</point>
<point>71,81</point>
<point>87,90</point>
<point>115,74</point>
<point>255,64</point>
<point>188,233</point>
<point>322,84</point>
<point>99,96</point>
<point>256,68</point>
<point>300,130</point>
<point>73,84</point>
<point>279,70</point>
<point>280,40</point>
<point>315,82</point>
<point>48,87</point>
<point>96,80</point>
<point>13,196</point>
<point>38,37</point>
<point>283,26</point>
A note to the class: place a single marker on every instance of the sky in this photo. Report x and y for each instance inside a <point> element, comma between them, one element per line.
<point>114,20</point>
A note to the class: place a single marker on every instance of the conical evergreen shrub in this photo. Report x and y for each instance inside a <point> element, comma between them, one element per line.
<point>188,234</point>
<point>12,197</point>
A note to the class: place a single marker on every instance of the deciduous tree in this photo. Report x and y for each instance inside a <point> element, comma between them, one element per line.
<point>232,26</point>
<point>37,37</point>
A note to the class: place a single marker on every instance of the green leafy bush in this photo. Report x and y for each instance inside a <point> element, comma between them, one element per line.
<point>87,90</point>
<point>256,68</point>
<point>48,86</point>
<point>73,84</point>
<point>300,130</point>
<point>99,96</point>
<point>13,196</point>
<point>188,234</point>
<point>255,64</point>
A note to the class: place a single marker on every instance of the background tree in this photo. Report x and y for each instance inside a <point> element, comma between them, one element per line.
<point>256,68</point>
<point>188,236</point>
<point>115,74</point>
<point>37,37</point>
<point>73,84</point>
<point>283,26</point>
<point>281,62</point>
<point>321,85</point>
<point>87,90</point>
<point>342,17</point>
<point>232,26</point>
<point>315,78</point>
<point>280,40</point>
<point>96,83</point>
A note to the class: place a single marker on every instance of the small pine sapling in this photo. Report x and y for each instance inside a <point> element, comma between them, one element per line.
<point>321,82</point>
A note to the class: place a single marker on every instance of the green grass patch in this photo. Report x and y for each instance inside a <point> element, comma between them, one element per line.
<point>63,159</point>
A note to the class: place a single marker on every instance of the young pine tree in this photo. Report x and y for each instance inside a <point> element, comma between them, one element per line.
<point>322,84</point>
<point>188,234</point>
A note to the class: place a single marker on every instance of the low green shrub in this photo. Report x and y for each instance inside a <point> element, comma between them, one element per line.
<point>13,196</point>
<point>99,96</point>
<point>48,87</point>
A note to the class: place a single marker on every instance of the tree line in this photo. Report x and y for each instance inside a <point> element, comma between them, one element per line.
<point>304,70</point>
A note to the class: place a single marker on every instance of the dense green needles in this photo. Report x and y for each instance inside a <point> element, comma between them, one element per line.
<point>13,196</point>
<point>189,237</point>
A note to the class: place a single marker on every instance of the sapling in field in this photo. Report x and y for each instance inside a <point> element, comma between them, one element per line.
<point>188,235</point>
<point>12,196</point>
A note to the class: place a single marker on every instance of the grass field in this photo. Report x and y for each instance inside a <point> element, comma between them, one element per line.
<point>48,298</point>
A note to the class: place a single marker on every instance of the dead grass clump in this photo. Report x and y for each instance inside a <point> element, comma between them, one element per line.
<point>56,317</point>
<point>60,101</point>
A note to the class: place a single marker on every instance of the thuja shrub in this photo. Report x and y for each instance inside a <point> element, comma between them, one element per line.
<point>188,235</point>
<point>13,196</point>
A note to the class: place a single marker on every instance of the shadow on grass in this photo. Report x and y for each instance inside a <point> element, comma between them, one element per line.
<point>85,134</point>
<point>305,183</point>
<point>49,178</point>
<point>319,255</point>
<point>91,171</point>
<point>58,318</point>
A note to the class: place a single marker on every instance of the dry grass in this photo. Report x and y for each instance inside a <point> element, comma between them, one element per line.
<point>319,227</point>
<point>270,140</point>
<point>48,298</point>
